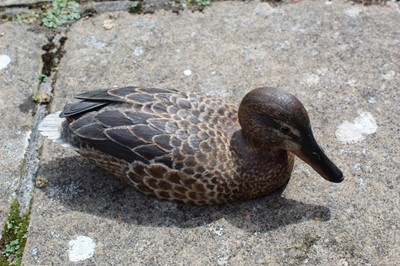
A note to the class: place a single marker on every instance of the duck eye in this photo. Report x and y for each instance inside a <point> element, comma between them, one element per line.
<point>285,130</point>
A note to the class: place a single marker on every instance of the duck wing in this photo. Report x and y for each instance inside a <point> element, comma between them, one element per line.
<point>98,98</point>
<point>134,124</point>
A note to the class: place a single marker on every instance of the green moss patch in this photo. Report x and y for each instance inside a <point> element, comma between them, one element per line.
<point>13,239</point>
<point>61,13</point>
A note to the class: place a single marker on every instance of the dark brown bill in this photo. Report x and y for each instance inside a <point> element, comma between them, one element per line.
<point>313,155</point>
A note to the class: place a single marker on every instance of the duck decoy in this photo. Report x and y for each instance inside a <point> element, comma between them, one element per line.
<point>192,148</point>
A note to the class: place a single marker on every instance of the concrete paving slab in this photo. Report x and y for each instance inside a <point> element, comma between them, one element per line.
<point>4,3</point>
<point>19,63</point>
<point>341,60</point>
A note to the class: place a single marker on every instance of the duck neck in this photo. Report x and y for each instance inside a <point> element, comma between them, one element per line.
<point>262,170</point>
<point>244,147</point>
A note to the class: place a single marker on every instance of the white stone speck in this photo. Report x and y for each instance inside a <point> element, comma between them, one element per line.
<point>282,46</point>
<point>34,251</point>
<point>371,100</point>
<point>138,51</point>
<point>322,71</point>
<point>4,61</point>
<point>265,10</point>
<point>389,75</point>
<point>81,248</point>
<point>223,260</point>
<point>361,182</point>
<point>187,72</point>
<point>311,79</point>
<point>328,3</point>
<point>353,11</point>
<point>351,82</point>
<point>219,231</point>
<point>356,131</point>
<point>342,262</point>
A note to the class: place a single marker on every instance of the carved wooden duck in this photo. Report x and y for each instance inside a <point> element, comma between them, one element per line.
<point>192,148</point>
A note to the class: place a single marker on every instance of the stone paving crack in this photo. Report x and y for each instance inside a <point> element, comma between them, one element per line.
<point>53,53</point>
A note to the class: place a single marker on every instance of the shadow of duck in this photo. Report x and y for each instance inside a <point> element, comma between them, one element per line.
<point>80,186</point>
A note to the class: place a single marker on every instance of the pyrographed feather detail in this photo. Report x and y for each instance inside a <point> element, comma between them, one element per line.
<point>182,146</point>
<point>73,109</point>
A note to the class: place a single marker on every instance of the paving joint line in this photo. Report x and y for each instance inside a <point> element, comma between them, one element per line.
<point>33,152</point>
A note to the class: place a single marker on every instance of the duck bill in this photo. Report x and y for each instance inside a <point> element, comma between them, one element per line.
<point>313,155</point>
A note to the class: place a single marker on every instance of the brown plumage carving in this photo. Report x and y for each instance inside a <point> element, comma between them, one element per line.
<point>191,148</point>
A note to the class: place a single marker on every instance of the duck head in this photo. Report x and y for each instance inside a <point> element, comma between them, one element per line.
<point>274,119</point>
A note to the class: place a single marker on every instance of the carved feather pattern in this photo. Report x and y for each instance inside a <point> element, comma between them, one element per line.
<point>170,144</point>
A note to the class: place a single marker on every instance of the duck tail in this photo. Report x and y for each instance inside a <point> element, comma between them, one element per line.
<point>51,127</point>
